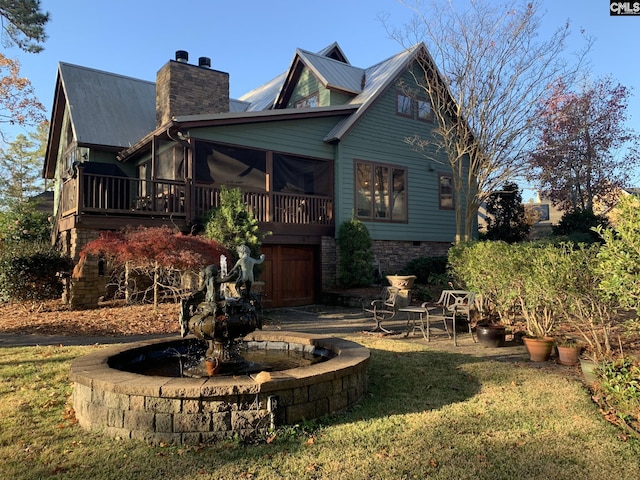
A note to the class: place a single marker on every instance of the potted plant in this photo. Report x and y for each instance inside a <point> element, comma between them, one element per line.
<point>568,351</point>
<point>542,273</point>
<point>588,309</point>
<point>491,334</point>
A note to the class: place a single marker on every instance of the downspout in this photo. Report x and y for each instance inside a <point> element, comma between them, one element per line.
<point>176,135</point>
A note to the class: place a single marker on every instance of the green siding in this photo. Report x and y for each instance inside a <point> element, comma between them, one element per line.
<point>308,84</point>
<point>379,137</point>
<point>291,136</point>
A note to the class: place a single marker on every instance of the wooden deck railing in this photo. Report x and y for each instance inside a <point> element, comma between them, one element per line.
<point>103,194</point>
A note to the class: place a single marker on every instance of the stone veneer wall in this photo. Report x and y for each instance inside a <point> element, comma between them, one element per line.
<point>393,256</point>
<point>85,286</point>
<point>329,260</point>
<point>194,410</point>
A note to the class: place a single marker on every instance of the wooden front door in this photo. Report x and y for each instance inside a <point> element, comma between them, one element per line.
<point>289,275</point>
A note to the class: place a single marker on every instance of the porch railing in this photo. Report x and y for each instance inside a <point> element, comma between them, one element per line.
<point>104,194</point>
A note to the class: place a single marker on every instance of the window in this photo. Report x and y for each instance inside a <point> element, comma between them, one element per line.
<point>424,110</point>
<point>445,185</point>
<point>404,105</point>
<point>307,102</point>
<point>381,192</point>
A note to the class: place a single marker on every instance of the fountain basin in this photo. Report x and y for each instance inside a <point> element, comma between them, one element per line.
<point>175,410</point>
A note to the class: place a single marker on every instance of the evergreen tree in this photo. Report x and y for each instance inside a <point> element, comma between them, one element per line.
<point>20,170</point>
<point>506,219</point>
<point>233,224</point>
<point>23,24</point>
<point>356,254</point>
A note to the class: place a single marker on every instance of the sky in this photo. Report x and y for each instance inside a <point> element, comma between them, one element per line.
<point>255,40</point>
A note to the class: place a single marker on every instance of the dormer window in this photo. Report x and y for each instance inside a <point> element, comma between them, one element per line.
<point>307,102</point>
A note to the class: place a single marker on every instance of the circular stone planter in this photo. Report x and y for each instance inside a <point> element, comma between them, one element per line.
<point>177,410</point>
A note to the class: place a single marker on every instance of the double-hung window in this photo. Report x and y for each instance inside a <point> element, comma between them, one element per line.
<point>381,192</point>
<point>445,190</point>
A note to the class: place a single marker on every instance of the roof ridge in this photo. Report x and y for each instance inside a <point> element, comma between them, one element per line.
<point>104,72</point>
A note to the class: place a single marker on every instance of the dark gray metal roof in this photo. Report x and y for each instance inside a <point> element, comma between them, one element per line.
<point>108,109</point>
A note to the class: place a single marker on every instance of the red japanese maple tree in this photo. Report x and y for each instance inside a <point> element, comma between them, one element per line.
<point>163,255</point>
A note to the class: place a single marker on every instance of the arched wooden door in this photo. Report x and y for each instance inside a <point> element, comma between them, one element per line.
<point>289,274</point>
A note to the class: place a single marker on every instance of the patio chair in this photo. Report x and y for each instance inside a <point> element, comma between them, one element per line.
<point>451,305</point>
<point>383,309</point>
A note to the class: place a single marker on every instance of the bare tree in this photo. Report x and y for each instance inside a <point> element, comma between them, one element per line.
<point>486,68</point>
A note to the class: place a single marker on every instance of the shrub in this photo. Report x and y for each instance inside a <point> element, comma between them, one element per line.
<point>233,224</point>
<point>426,269</point>
<point>619,257</point>
<point>356,254</point>
<point>577,226</point>
<point>29,271</point>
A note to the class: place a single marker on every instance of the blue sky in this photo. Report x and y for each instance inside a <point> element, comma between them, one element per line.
<point>255,40</point>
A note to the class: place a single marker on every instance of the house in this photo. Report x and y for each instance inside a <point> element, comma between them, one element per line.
<point>319,143</point>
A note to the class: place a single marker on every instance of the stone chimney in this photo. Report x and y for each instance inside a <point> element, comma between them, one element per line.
<point>185,89</point>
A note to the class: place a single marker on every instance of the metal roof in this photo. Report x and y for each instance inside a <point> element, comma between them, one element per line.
<point>119,111</point>
<point>108,109</point>
<point>333,74</point>
<point>377,79</point>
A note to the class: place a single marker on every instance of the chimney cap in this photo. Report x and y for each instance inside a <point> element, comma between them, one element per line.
<point>182,56</point>
<point>204,62</point>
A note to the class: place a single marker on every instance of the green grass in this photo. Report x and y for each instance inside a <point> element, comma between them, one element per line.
<point>427,414</point>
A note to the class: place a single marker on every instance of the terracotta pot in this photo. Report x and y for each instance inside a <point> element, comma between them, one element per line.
<point>539,349</point>
<point>491,335</point>
<point>213,366</point>
<point>568,355</point>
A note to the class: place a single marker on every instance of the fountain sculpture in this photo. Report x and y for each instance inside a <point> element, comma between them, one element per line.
<point>111,393</point>
<point>220,320</point>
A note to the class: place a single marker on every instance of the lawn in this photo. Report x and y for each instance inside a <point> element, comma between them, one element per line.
<point>427,414</point>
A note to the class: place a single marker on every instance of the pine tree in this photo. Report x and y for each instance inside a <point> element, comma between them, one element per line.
<point>23,24</point>
<point>20,170</point>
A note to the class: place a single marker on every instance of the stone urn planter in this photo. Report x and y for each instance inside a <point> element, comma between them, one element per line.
<point>491,335</point>
<point>401,281</point>
<point>539,348</point>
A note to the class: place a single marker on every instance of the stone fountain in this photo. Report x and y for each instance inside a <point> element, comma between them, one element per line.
<point>220,320</point>
<point>232,399</point>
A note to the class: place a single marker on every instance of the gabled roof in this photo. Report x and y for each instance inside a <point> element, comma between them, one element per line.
<point>107,109</point>
<point>332,74</point>
<point>118,112</point>
<point>365,84</point>
<point>377,79</point>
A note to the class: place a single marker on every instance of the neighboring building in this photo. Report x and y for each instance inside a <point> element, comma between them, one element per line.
<point>315,145</point>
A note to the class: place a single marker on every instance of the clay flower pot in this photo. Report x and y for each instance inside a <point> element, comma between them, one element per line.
<point>568,354</point>
<point>539,349</point>
<point>490,335</point>
<point>213,366</point>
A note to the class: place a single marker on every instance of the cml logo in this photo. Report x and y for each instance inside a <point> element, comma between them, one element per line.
<point>623,8</point>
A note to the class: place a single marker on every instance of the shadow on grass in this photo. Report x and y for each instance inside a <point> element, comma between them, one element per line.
<point>409,382</point>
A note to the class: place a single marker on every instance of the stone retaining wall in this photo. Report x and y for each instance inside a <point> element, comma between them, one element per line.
<point>194,410</point>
